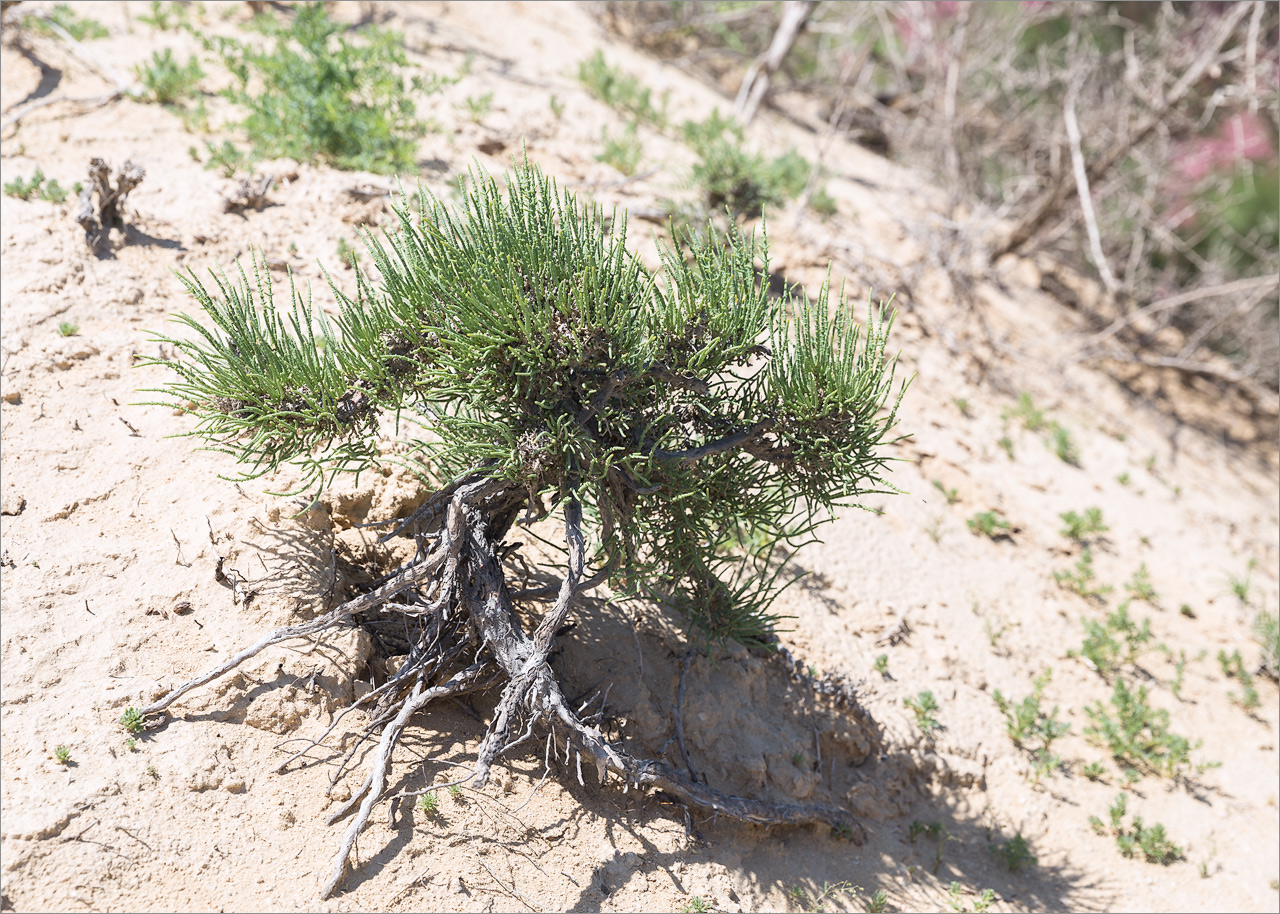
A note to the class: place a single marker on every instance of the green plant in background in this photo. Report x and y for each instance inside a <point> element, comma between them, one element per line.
<point>1133,839</point>
<point>1083,527</point>
<point>314,93</point>
<point>1026,414</point>
<point>1241,587</point>
<point>165,81</point>
<point>951,495</point>
<point>695,905</point>
<point>348,255</point>
<point>729,177</point>
<point>928,829</point>
<point>1266,631</point>
<point>1138,735</point>
<point>822,203</point>
<point>1233,668</point>
<point>62,754</point>
<point>1140,586</point>
<point>552,372</point>
<point>36,186</point>
<point>882,665</point>
<point>557,107</point>
<point>1123,478</point>
<point>922,707</point>
<point>1062,444</point>
<point>1080,579</point>
<point>988,524</point>
<point>1006,445</point>
<point>621,152</point>
<point>1031,728</point>
<point>878,903</point>
<point>227,158</point>
<point>166,17</point>
<point>1014,853</point>
<point>66,328</point>
<point>81,28</point>
<point>963,405</point>
<point>478,106</point>
<point>1115,641</point>
<point>620,90</point>
<point>1094,771</point>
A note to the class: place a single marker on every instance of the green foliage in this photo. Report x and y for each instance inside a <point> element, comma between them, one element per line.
<point>1030,727</point>
<point>1014,853</point>
<point>316,94</point>
<point>982,903</point>
<point>711,129</point>
<point>695,905</point>
<point>918,828</point>
<point>822,203</point>
<point>429,803</point>
<point>878,903</point>
<point>1093,771</point>
<point>165,81</point>
<point>478,106</point>
<point>348,256</point>
<point>1138,735</point>
<point>557,107</point>
<point>963,405</point>
<point>951,495</point>
<point>534,345</point>
<point>1025,412</point>
<point>1062,444</point>
<point>66,328</point>
<point>36,186</point>
<point>227,158</point>
<point>131,744</point>
<point>1233,668</point>
<point>81,28</point>
<point>922,708</point>
<point>1080,579</point>
<point>1006,445</point>
<point>746,183</point>
<point>1083,527</point>
<point>621,152</point>
<point>620,91</point>
<point>132,721</point>
<point>1240,587</point>
<point>1136,838</point>
<point>171,16</point>
<point>1140,585</point>
<point>62,754</point>
<point>825,895</point>
<point>1123,478</point>
<point>1113,642</point>
<point>882,665</point>
<point>1266,631</point>
<point>988,524</point>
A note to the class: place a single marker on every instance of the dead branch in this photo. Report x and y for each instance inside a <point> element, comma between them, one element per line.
<point>756,81</point>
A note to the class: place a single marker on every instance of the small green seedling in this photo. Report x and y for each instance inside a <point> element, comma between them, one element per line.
<point>1083,527</point>
<point>1094,771</point>
<point>131,744</point>
<point>1233,668</point>
<point>1140,587</point>
<point>36,186</point>
<point>1062,444</point>
<point>455,793</point>
<point>989,524</point>
<point>1080,579</point>
<point>1031,728</point>
<point>132,721</point>
<point>1123,478</point>
<point>878,903</point>
<point>922,707</point>
<point>1138,736</point>
<point>1114,642</point>
<point>1266,631</point>
<point>1151,842</point>
<point>348,255</point>
<point>1006,445</point>
<point>1032,419</point>
<point>165,81</point>
<point>1014,853</point>
<point>66,328</point>
<point>882,665</point>
<point>928,829</point>
<point>620,90</point>
<point>1240,587</point>
<point>695,905</point>
<point>822,203</point>
<point>478,106</point>
<point>429,803</point>
<point>62,754</point>
<point>81,28</point>
<point>621,152</point>
<point>557,107</point>
<point>963,405</point>
<point>951,495</point>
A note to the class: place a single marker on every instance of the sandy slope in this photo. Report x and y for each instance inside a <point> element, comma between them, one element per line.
<point>111,532</point>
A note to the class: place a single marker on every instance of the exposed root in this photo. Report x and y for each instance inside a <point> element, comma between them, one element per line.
<point>466,638</point>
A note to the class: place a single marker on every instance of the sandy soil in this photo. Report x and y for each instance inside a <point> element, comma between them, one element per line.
<point>112,532</point>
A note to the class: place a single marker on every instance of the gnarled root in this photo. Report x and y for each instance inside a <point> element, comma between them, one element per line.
<point>467,639</point>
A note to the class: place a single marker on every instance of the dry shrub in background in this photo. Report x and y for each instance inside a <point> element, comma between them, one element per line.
<point>1134,141</point>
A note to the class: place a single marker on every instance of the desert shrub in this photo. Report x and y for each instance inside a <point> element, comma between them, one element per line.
<point>316,94</point>
<point>165,81</point>
<point>552,373</point>
<point>620,90</point>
